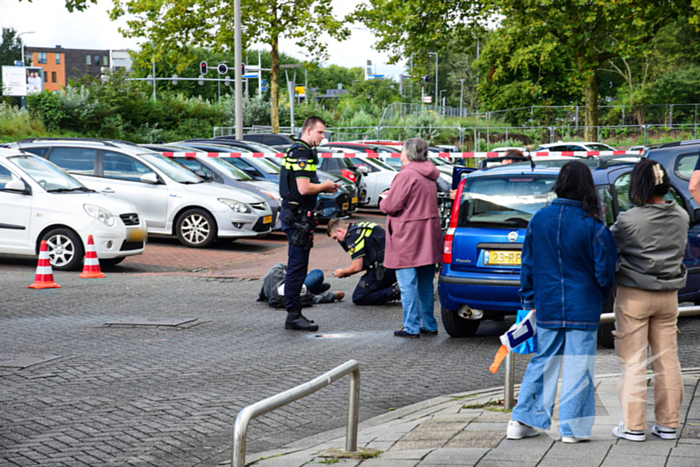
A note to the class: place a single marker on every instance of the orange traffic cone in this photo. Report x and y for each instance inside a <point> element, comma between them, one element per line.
<point>91,268</point>
<point>44,273</point>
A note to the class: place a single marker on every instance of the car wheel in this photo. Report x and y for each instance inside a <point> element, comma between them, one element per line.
<point>66,250</point>
<point>112,261</point>
<point>458,327</point>
<point>605,335</point>
<point>196,228</point>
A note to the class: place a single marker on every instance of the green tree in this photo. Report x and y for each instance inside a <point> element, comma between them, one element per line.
<point>588,32</point>
<point>169,26</point>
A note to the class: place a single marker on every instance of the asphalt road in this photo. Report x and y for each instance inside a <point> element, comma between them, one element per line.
<point>151,365</point>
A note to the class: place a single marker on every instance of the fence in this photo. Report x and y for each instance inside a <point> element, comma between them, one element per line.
<point>490,137</point>
<point>655,114</point>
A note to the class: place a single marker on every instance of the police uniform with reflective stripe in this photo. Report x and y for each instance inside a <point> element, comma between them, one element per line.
<point>300,162</point>
<point>367,240</point>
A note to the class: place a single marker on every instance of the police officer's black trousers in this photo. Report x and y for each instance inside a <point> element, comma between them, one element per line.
<point>297,267</point>
<point>374,292</point>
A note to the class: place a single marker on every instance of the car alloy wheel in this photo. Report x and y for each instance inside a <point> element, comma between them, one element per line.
<point>65,249</point>
<point>196,228</point>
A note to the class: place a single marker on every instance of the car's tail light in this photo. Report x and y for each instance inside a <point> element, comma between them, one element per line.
<point>450,234</point>
<point>349,174</point>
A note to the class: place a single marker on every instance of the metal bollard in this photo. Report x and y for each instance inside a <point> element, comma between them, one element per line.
<point>509,390</point>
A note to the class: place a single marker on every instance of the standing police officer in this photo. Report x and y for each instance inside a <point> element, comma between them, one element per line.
<point>299,187</point>
<point>366,243</point>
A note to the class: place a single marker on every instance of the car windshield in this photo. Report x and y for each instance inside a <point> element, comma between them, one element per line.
<point>504,201</point>
<point>381,164</point>
<point>172,169</point>
<point>46,174</point>
<point>266,166</point>
<point>232,170</point>
<point>394,162</point>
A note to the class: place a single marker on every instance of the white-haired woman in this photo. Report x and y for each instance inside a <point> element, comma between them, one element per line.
<point>414,237</point>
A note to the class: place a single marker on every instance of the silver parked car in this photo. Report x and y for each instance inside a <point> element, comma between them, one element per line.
<point>172,200</point>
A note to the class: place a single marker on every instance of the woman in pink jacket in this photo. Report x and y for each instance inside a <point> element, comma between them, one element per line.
<point>414,237</point>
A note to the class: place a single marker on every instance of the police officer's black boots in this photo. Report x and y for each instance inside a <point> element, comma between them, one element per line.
<point>297,321</point>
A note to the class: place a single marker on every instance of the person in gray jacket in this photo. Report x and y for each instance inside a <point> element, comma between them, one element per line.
<point>651,240</point>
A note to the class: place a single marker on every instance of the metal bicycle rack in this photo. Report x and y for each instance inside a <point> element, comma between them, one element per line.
<point>240,430</point>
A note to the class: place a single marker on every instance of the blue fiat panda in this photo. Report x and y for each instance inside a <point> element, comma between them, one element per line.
<point>480,276</point>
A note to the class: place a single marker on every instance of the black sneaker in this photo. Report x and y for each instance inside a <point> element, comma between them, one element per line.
<point>325,287</point>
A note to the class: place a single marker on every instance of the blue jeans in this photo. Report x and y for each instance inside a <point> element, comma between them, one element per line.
<point>314,282</point>
<point>417,298</point>
<point>539,388</point>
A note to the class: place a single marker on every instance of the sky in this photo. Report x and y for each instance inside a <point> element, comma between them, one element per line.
<point>53,25</point>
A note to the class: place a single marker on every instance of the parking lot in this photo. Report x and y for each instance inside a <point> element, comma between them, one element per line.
<point>151,365</point>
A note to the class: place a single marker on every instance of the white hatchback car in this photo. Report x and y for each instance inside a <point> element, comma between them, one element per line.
<point>172,200</point>
<point>39,201</point>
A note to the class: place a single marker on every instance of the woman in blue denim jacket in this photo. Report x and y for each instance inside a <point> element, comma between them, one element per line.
<point>568,268</point>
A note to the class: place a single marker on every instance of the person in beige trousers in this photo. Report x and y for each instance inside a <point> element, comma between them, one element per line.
<point>651,240</point>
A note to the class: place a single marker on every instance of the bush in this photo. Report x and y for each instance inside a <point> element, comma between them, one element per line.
<point>47,107</point>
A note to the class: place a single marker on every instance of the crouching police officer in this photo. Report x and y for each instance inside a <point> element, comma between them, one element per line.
<point>299,187</point>
<point>366,243</point>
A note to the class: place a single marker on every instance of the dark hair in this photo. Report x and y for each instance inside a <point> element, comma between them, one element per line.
<point>513,152</point>
<point>311,122</point>
<point>576,182</point>
<point>648,181</point>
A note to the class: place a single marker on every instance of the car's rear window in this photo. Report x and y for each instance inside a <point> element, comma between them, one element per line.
<point>504,201</point>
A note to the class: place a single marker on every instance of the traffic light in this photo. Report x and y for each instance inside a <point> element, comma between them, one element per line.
<point>242,69</point>
<point>174,79</point>
<point>223,69</point>
<point>203,68</point>
<point>201,80</point>
<point>427,78</point>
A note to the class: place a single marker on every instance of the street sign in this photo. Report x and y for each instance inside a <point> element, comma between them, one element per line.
<point>264,82</point>
<point>250,75</point>
<point>301,90</point>
<point>375,76</point>
<point>263,88</point>
<point>427,99</point>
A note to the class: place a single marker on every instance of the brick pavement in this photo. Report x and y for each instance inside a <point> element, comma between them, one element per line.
<point>168,396</point>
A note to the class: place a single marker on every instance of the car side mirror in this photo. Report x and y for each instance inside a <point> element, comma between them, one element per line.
<point>696,216</point>
<point>201,174</point>
<point>251,171</point>
<point>150,178</point>
<point>17,185</point>
<point>363,170</point>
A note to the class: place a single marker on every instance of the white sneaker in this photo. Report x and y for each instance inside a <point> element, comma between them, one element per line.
<point>573,439</point>
<point>664,432</point>
<point>517,430</point>
<point>632,435</point>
